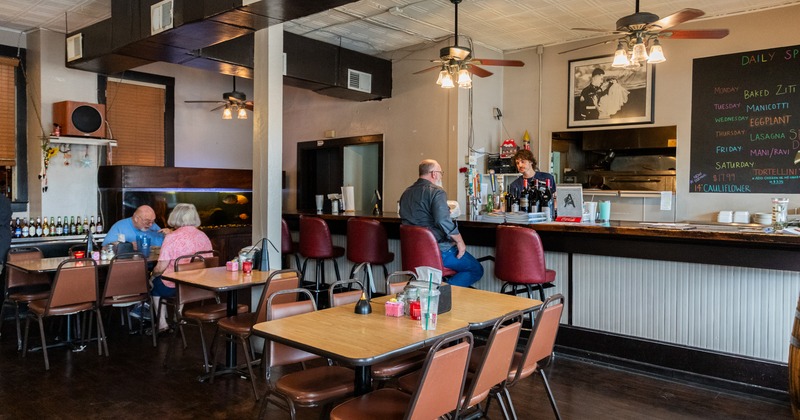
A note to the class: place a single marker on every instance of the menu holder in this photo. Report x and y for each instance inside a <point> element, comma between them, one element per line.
<point>570,203</point>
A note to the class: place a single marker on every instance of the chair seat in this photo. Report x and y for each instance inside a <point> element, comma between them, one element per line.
<point>121,300</point>
<point>38,307</point>
<point>527,371</point>
<point>384,404</point>
<point>399,365</point>
<point>239,325</point>
<point>383,260</point>
<point>213,312</point>
<point>318,384</point>
<point>446,272</point>
<point>337,252</point>
<point>26,296</point>
<point>549,276</point>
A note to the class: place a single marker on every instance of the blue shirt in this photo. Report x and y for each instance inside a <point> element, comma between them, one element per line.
<point>125,227</point>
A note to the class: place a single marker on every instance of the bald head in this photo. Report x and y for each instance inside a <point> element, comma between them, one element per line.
<point>427,166</point>
<point>143,218</point>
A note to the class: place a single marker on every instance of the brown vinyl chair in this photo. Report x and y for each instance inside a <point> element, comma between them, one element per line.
<point>74,291</point>
<point>126,284</point>
<point>309,387</point>
<point>316,244</point>
<point>211,257</point>
<point>21,287</point>
<point>538,348</point>
<point>367,243</point>
<point>239,327</point>
<point>396,283</point>
<point>491,364</point>
<point>289,246</point>
<point>519,261</point>
<point>418,248</point>
<point>438,392</point>
<point>351,295</point>
<point>203,312</point>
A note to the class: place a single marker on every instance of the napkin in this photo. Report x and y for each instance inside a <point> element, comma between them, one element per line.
<point>349,197</point>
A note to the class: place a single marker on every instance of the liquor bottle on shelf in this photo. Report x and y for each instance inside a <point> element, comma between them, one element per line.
<point>547,200</point>
<point>73,228</point>
<point>45,227</point>
<point>59,227</point>
<point>85,224</point>
<point>99,226</point>
<point>38,226</point>
<point>17,228</point>
<point>78,226</point>
<point>92,226</point>
<point>533,197</point>
<point>514,202</point>
<point>524,205</point>
<point>25,231</point>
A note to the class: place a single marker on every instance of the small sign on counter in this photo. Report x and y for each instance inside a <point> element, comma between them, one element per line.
<point>570,203</point>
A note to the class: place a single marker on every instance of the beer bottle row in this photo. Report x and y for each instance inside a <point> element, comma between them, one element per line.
<point>69,225</point>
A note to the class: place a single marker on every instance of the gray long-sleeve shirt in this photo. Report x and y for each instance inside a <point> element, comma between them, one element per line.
<point>425,204</point>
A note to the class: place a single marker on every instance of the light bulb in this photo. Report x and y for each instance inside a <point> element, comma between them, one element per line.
<point>447,81</point>
<point>620,56</point>
<point>226,114</point>
<point>639,51</point>
<point>242,115</point>
<point>442,74</point>
<point>656,53</point>
<point>464,81</point>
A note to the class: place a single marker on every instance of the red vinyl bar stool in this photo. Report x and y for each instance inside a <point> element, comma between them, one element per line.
<point>316,244</point>
<point>519,261</point>
<point>288,246</point>
<point>418,248</point>
<point>367,243</point>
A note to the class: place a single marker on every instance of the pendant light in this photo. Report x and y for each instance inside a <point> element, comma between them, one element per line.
<point>621,56</point>
<point>226,113</point>
<point>639,51</point>
<point>656,53</point>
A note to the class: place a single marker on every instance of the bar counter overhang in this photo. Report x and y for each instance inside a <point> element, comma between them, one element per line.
<point>710,304</point>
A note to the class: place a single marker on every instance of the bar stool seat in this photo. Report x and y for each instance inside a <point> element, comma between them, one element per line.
<point>418,248</point>
<point>519,261</point>
<point>316,244</point>
<point>368,244</point>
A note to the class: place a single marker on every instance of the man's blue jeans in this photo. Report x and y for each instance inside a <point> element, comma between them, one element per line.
<point>468,269</point>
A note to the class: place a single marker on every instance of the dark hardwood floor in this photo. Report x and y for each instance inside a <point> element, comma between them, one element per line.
<point>133,383</point>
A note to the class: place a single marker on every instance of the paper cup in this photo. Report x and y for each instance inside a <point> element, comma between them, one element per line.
<point>590,211</point>
<point>429,308</point>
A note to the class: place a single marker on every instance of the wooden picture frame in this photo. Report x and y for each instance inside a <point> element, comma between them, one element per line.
<point>621,96</point>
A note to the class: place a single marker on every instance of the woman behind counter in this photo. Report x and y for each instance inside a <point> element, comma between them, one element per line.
<point>186,239</point>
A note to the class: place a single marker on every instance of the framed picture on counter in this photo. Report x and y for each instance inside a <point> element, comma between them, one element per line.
<point>602,95</point>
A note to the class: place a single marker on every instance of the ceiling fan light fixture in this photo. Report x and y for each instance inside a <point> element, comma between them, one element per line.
<point>447,81</point>
<point>442,75</point>
<point>464,79</point>
<point>639,51</point>
<point>242,114</point>
<point>656,53</point>
<point>621,56</point>
<point>226,113</point>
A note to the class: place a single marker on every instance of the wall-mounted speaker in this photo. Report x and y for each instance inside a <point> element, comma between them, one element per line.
<point>80,119</point>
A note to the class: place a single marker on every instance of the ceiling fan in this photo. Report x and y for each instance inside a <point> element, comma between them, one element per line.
<point>642,27</point>
<point>233,102</point>
<point>456,63</point>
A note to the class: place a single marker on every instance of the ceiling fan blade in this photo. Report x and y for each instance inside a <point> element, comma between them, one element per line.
<point>248,105</point>
<point>608,41</point>
<point>493,62</point>
<point>478,71</point>
<point>219,107</point>
<point>697,34</point>
<point>427,70</point>
<point>204,102</point>
<point>677,18</point>
<point>610,31</point>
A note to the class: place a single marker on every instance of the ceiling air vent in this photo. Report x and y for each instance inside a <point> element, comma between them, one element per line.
<point>74,47</point>
<point>358,80</point>
<point>161,16</point>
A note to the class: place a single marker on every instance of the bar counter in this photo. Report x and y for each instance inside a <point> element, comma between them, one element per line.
<point>711,304</point>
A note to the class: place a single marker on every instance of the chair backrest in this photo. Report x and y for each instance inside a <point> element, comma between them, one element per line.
<point>366,241</point>
<point>442,379</point>
<point>277,354</point>
<point>496,363</point>
<point>343,298</point>
<point>188,294</point>
<point>277,281</point>
<point>211,257</point>
<point>75,283</point>
<point>398,280</point>
<point>542,339</point>
<point>315,238</point>
<point>287,244</point>
<point>18,278</point>
<point>127,275</point>
<point>418,248</point>
<point>519,256</point>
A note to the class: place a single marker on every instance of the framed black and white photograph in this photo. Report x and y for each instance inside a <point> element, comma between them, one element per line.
<point>605,95</point>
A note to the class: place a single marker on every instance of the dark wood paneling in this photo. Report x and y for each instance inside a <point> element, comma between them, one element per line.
<point>157,177</point>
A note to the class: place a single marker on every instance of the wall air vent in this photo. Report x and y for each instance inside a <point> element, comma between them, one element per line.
<point>358,80</point>
<point>74,47</point>
<point>161,16</point>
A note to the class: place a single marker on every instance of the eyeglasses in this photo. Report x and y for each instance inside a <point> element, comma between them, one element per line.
<point>433,172</point>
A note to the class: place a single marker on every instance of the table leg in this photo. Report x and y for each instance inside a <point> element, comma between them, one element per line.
<point>363,380</point>
<point>230,348</point>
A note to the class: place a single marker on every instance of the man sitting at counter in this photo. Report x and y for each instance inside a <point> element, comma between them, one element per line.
<point>141,223</point>
<point>425,204</point>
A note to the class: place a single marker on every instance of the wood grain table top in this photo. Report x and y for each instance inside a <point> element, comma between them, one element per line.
<point>219,279</point>
<point>50,265</point>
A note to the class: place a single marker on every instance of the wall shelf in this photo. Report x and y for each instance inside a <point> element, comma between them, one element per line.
<point>83,140</point>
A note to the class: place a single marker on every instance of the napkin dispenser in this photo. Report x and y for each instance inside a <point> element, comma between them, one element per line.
<point>445,293</point>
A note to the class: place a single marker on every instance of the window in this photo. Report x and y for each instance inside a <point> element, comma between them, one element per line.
<point>13,131</point>
<point>139,111</point>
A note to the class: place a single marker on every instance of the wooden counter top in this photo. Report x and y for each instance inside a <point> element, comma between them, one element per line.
<point>704,243</point>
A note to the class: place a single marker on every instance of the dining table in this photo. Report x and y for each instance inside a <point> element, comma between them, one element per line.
<point>220,279</point>
<point>362,341</point>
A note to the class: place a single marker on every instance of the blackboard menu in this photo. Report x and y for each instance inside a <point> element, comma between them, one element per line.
<point>746,122</point>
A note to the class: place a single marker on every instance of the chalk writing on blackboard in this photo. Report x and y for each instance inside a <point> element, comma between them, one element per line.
<point>746,122</point>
